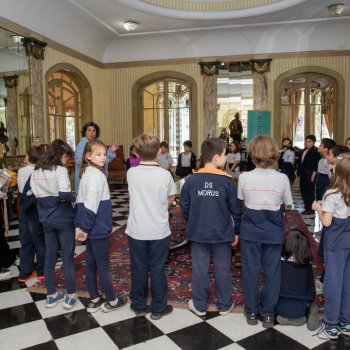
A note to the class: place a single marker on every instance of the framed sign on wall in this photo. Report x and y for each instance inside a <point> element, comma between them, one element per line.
<point>259,123</point>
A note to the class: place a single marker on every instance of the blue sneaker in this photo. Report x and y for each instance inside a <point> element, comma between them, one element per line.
<point>344,328</point>
<point>326,332</point>
<point>69,301</point>
<point>54,299</point>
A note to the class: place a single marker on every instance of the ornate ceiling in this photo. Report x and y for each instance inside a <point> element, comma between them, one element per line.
<point>206,9</point>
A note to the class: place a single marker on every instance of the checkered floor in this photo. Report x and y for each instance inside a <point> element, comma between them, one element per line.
<point>25,323</point>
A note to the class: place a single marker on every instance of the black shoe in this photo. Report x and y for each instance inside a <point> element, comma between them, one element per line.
<point>157,315</point>
<point>122,300</point>
<point>95,306</point>
<point>268,321</point>
<point>140,312</point>
<point>251,317</point>
<point>308,212</point>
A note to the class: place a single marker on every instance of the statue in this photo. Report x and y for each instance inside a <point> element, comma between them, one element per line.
<point>236,129</point>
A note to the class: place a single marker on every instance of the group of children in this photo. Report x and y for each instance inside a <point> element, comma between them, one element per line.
<point>216,210</point>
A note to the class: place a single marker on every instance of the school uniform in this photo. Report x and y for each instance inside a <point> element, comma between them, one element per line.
<point>336,285</point>
<point>307,165</point>
<point>185,164</point>
<point>297,289</point>
<point>286,164</point>
<point>54,197</point>
<point>148,233</point>
<point>213,213</point>
<point>323,177</point>
<point>31,233</point>
<point>264,192</point>
<point>93,215</point>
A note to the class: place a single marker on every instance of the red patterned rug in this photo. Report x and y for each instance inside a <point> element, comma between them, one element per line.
<point>178,269</point>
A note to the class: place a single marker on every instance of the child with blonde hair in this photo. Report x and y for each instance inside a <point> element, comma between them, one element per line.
<point>264,192</point>
<point>93,222</point>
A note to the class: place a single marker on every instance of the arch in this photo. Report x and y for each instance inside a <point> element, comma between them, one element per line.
<point>84,87</point>
<point>339,107</point>
<point>137,109</point>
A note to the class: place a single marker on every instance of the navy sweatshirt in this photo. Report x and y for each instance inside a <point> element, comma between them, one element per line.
<point>210,205</point>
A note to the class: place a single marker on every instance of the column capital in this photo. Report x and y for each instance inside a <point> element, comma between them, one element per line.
<point>34,47</point>
<point>261,66</point>
<point>209,68</point>
<point>10,81</point>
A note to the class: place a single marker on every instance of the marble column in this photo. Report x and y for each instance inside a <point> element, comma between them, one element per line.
<point>35,54</point>
<point>260,90</point>
<point>209,73</point>
<point>11,113</point>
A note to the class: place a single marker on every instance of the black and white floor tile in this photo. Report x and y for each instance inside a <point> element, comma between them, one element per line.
<point>25,322</point>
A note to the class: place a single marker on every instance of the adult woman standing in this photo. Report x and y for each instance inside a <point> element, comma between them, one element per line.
<point>90,131</point>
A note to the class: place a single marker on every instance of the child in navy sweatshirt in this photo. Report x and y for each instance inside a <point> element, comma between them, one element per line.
<point>213,212</point>
<point>93,222</point>
<point>51,186</point>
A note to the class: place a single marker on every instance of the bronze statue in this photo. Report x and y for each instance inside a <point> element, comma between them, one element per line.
<point>236,129</point>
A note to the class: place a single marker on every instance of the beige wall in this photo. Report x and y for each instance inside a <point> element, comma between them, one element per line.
<point>112,88</point>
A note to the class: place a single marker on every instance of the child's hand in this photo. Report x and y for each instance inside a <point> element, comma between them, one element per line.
<point>316,206</point>
<point>113,147</point>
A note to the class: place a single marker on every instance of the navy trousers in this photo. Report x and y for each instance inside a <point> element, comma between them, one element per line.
<point>64,234</point>
<point>307,190</point>
<point>98,264</point>
<point>256,257</point>
<point>31,236</point>
<point>201,253</point>
<point>149,257</point>
<point>336,286</point>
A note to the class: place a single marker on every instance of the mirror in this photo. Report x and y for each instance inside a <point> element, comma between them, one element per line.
<point>234,95</point>
<point>14,94</point>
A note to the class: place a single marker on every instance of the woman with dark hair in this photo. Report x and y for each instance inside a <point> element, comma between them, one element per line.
<point>90,131</point>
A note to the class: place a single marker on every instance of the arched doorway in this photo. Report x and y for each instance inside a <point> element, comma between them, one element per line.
<point>166,106</point>
<point>69,103</point>
<point>309,100</point>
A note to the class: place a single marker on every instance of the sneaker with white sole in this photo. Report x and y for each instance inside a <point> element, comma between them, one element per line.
<point>226,312</point>
<point>69,301</point>
<point>326,332</point>
<point>108,306</point>
<point>194,310</point>
<point>344,328</point>
<point>95,306</point>
<point>54,299</point>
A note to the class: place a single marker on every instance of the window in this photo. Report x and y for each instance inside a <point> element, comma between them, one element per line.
<point>64,108</point>
<point>307,107</point>
<point>166,108</point>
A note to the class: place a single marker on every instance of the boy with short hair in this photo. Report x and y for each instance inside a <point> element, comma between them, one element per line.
<point>307,170</point>
<point>151,190</point>
<point>264,191</point>
<point>334,153</point>
<point>31,233</point>
<point>209,203</point>
<point>186,161</point>
<point>323,169</point>
<point>164,158</point>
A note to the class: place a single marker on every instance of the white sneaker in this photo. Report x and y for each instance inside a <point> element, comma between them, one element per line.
<point>224,313</point>
<point>194,310</point>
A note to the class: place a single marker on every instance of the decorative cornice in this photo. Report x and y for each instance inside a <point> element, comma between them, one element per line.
<point>257,65</point>
<point>209,68</point>
<point>34,47</point>
<point>10,81</point>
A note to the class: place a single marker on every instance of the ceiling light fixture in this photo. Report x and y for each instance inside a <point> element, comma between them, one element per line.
<point>336,9</point>
<point>130,26</point>
<point>16,38</point>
